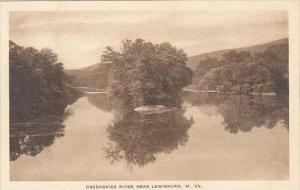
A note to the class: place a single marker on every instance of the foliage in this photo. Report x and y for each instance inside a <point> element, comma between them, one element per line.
<point>207,64</point>
<point>146,73</point>
<point>95,76</point>
<point>276,59</point>
<point>38,84</point>
<point>242,72</point>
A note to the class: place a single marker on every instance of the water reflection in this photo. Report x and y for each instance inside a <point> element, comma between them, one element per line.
<point>242,113</point>
<point>138,145</point>
<point>30,138</point>
<point>138,138</point>
<point>101,101</point>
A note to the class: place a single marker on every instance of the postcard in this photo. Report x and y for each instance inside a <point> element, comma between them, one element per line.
<point>150,95</point>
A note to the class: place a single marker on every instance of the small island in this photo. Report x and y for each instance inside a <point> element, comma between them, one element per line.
<point>147,74</point>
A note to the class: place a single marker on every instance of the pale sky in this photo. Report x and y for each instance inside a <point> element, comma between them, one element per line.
<point>79,38</point>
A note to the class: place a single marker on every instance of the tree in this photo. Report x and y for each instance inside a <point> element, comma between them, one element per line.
<point>276,60</point>
<point>146,73</point>
<point>38,84</point>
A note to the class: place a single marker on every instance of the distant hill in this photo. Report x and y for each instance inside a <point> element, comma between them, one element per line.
<point>262,69</point>
<point>194,60</point>
<point>96,76</point>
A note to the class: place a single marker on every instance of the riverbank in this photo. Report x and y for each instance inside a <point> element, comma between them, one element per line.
<point>220,92</point>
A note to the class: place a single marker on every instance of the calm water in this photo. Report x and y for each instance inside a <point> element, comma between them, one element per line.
<point>211,137</point>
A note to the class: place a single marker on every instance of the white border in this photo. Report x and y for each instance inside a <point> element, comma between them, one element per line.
<point>291,6</point>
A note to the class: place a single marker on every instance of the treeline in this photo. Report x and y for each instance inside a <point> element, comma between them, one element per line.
<point>37,84</point>
<point>243,72</point>
<point>146,74</point>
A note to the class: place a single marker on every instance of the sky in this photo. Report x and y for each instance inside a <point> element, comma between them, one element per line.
<point>80,37</point>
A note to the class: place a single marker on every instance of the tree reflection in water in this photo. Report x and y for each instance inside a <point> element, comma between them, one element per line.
<point>242,113</point>
<point>137,138</point>
<point>30,138</point>
<point>101,101</point>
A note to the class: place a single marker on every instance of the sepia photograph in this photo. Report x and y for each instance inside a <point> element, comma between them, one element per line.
<point>159,95</point>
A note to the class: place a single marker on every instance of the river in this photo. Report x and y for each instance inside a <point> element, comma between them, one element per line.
<point>211,137</point>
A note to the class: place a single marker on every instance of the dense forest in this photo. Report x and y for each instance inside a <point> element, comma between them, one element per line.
<point>38,84</point>
<point>243,72</point>
<point>147,74</point>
